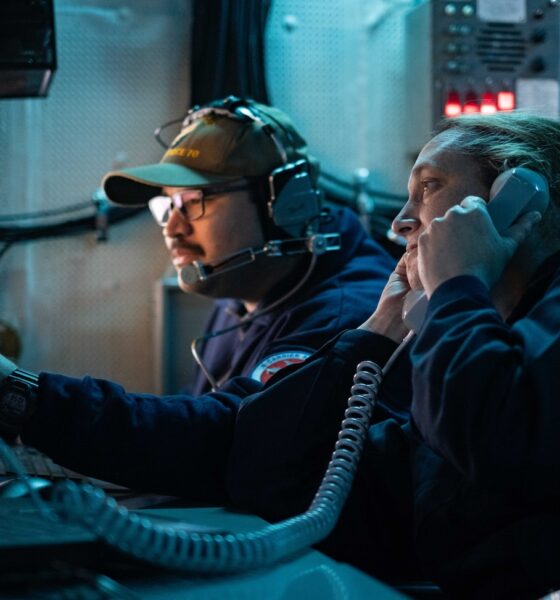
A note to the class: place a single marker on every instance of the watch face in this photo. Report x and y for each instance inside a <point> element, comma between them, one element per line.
<point>12,404</point>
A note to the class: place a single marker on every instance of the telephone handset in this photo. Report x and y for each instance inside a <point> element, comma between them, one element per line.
<point>514,192</point>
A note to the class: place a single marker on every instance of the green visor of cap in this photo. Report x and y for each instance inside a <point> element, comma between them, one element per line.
<point>138,185</point>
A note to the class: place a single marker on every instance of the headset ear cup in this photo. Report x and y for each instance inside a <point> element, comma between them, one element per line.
<point>294,203</point>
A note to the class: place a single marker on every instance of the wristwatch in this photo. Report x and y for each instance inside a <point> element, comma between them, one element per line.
<point>18,401</point>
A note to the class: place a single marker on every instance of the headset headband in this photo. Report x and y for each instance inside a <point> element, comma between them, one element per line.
<point>236,108</point>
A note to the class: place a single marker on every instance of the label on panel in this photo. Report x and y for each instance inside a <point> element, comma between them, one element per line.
<point>502,11</point>
<point>539,95</point>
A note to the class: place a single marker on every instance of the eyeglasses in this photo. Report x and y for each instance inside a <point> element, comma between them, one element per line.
<point>191,203</point>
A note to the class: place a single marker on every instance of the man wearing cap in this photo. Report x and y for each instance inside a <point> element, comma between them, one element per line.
<point>236,196</point>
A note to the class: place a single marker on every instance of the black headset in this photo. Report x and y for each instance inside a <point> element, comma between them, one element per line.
<point>294,203</point>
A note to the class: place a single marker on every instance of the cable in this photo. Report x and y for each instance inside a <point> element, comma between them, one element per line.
<point>73,226</point>
<point>372,192</point>
<point>379,221</point>
<point>5,248</point>
<point>46,213</point>
<point>244,321</point>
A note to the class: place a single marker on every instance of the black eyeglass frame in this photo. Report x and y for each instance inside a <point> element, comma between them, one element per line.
<point>207,192</point>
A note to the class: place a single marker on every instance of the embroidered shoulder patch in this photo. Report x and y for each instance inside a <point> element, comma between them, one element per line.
<point>272,364</point>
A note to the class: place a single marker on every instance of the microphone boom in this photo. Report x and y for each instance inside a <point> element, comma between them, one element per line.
<point>316,244</point>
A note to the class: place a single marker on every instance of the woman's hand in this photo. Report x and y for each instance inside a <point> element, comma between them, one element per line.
<point>387,318</point>
<point>465,242</point>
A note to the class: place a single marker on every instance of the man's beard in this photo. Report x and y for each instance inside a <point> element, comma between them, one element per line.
<point>239,282</point>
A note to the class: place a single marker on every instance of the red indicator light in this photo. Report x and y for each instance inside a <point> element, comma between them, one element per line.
<point>506,100</point>
<point>488,104</point>
<point>452,106</point>
<point>471,104</point>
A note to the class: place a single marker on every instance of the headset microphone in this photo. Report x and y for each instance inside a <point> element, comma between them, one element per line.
<point>198,271</point>
<point>316,244</point>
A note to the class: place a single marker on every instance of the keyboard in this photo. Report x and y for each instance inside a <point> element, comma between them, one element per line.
<point>37,464</point>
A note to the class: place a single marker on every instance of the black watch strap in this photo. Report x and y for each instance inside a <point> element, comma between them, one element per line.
<point>18,401</point>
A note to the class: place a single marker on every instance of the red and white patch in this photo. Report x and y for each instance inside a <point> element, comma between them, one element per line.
<point>272,364</point>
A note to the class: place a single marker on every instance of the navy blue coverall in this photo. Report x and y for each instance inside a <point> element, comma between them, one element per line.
<point>466,492</point>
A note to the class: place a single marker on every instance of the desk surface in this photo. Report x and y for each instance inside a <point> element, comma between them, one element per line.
<point>307,576</point>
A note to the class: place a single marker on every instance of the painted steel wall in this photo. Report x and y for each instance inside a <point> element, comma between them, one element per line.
<point>83,306</point>
<point>339,69</point>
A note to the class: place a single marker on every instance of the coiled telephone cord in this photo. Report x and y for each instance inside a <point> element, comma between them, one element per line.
<point>225,553</point>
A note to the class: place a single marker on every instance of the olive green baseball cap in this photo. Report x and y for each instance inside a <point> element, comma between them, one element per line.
<point>216,145</point>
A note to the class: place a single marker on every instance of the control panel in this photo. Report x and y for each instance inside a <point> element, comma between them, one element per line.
<point>485,56</point>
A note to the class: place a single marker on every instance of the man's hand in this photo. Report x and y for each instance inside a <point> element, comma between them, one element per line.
<point>465,242</point>
<point>387,318</point>
<point>6,368</point>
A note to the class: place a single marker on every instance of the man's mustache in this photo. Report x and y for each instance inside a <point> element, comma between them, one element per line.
<point>192,248</point>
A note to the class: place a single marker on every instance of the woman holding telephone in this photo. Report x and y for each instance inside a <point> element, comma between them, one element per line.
<point>460,477</point>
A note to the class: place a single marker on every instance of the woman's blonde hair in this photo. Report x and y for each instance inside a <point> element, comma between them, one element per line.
<point>505,140</point>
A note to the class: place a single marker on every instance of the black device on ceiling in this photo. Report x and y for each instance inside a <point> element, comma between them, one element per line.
<point>27,48</point>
